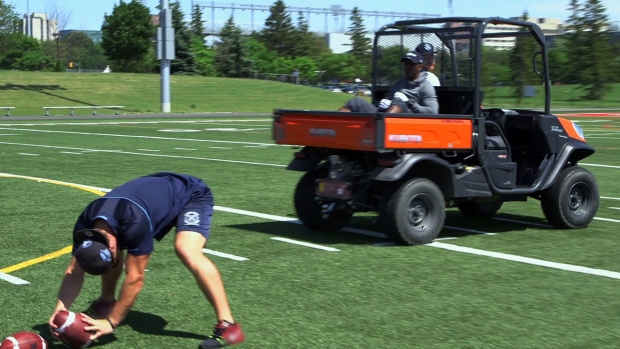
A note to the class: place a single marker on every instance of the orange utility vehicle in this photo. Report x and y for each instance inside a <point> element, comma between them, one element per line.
<point>410,167</point>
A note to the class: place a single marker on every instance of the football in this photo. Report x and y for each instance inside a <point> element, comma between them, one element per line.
<point>24,340</point>
<point>71,330</point>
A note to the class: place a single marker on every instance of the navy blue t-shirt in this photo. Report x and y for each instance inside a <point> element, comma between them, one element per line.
<point>148,207</point>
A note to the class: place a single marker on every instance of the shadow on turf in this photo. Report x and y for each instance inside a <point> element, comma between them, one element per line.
<point>42,89</point>
<point>453,218</point>
<point>138,321</point>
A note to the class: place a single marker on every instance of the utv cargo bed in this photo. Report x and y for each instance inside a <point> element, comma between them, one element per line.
<point>372,131</point>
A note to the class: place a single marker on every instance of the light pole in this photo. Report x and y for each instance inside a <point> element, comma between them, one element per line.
<point>57,38</point>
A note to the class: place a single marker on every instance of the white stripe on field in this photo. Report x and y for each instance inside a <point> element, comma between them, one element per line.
<point>469,230</point>
<point>615,208</point>
<point>307,244</point>
<point>523,222</point>
<point>28,154</point>
<point>70,152</point>
<point>184,149</point>
<point>527,260</point>
<point>224,255</point>
<point>607,219</point>
<point>12,279</point>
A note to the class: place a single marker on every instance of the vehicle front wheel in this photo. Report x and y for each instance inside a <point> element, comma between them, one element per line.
<point>572,201</point>
<point>415,213</point>
<point>317,215</point>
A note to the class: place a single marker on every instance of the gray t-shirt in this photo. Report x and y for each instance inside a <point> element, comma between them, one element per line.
<point>421,94</point>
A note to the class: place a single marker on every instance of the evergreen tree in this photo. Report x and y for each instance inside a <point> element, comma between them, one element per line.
<point>127,36</point>
<point>279,33</point>
<point>197,25</point>
<point>520,63</point>
<point>596,76</point>
<point>230,53</point>
<point>361,48</point>
<point>303,44</point>
<point>184,61</point>
<point>587,41</point>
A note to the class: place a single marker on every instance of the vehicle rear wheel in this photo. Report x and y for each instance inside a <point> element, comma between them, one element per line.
<point>572,201</point>
<point>415,213</point>
<point>480,209</point>
<point>316,214</point>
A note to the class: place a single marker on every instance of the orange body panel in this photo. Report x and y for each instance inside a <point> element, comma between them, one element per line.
<point>570,129</point>
<point>327,131</point>
<point>408,133</point>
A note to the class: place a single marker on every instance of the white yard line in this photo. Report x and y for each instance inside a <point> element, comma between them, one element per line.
<point>224,255</point>
<point>142,154</point>
<point>144,137</point>
<point>28,154</point>
<point>12,279</point>
<point>70,152</point>
<point>307,244</point>
<point>527,260</point>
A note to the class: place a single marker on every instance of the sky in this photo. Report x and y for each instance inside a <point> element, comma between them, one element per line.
<point>89,14</point>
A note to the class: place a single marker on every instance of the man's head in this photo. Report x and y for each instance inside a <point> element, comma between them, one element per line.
<point>413,64</point>
<point>93,252</point>
<point>428,53</point>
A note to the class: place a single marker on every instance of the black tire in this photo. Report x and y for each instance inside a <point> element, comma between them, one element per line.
<point>572,201</point>
<point>480,209</point>
<point>309,210</point>
<point>415,213</point>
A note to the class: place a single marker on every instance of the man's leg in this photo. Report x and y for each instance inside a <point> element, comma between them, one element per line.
<point>359,105</point>
<point>188,247</point>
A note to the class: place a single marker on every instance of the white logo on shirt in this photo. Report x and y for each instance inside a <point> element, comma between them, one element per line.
<point>86,243</point>
<point>191,218</point>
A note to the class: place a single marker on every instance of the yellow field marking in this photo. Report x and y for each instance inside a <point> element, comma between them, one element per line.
<point>62,251</point>
<point>33,261</point>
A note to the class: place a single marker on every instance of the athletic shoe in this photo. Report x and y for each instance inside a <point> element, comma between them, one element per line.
<point>225,334</point>
<point>99,309</point>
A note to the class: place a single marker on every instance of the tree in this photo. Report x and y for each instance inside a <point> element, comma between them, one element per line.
<point>184,62</point>
<point>230,52</point>
<point>361,48</point>
<point>520,63</point>
<point>197,25</point>
<point>128,36</point>
<point>278,33</point>
<point>24,53</point>
<point>8,18</point>
<point>588,41</point>
<point>303,44</point>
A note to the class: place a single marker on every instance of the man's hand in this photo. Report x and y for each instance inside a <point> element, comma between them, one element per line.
<point>100,327</point>
<point>401,96</point>
<point>384,103</point>
<point>51,324</point>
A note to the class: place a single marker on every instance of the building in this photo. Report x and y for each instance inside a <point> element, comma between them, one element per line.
<point>41,28</point>
<point>549,26</point>
<point>94,35</point>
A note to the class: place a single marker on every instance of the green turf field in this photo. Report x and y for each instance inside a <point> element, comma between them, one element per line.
<point>507,282</point>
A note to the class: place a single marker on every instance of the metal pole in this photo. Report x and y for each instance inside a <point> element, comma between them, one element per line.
<point>166,56</point>
<point>27,17</point>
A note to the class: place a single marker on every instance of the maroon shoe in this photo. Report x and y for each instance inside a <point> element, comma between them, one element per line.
<point>225,334</point>
<point>100,309</point>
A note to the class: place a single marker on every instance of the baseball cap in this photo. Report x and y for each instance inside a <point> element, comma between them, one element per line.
<point>425,48</point>
<point>92,252</point>
<point>413,57</point>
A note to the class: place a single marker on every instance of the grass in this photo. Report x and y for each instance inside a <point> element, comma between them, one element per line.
<point>28,92</point>
<point>290,296</point>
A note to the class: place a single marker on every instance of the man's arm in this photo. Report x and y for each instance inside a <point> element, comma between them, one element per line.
<point>69,289</point>
<point>428,100</point>
<point>132,285</point>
